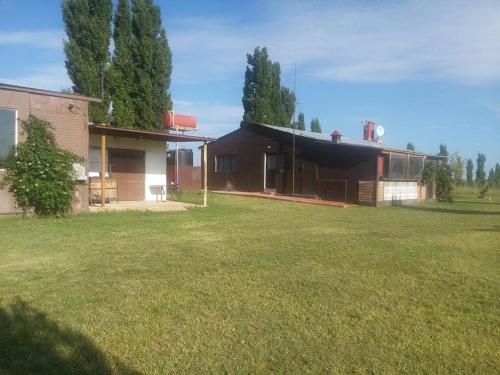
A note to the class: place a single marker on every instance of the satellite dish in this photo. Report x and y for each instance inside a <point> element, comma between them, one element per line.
<point>379,130</point>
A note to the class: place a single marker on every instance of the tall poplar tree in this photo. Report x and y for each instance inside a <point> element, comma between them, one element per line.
<point>315,125</point>
<point>288,100</point>
<point>122,69</point>
<point>301,122</point>
<point>443,150</point>
<point>264,99</point>
<point>469,171</point>
<point>88,27</point>
<point>480,172</point>
<point>258,87</point>
<point>497,175</point>
<point>153,65</point>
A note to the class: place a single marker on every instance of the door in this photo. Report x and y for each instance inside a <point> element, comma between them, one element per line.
<point>271,167</point>
<point>128,168</point>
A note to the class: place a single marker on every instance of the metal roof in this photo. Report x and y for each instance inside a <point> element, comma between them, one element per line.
<point>323,137</point>
<point>146,134</point>
<point>31,90</point>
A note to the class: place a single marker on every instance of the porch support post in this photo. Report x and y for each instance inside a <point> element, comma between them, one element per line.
<point>205,184</point>
<point>103,170</point>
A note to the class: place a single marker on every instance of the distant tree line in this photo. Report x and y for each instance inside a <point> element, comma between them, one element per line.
<point>136,76</point>
<point>449,171</point>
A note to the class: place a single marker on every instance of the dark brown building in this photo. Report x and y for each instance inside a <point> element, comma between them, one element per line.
<point>259,158</point>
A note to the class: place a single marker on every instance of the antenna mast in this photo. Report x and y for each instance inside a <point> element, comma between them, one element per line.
<point>294,124</point>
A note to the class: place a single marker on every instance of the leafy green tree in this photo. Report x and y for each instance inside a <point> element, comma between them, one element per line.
<point>480,172</point>
<point>315,125</point>
<point>469,172</point>
<point>457,168</point>
<point>122,68</point>
<point>39,174</point>
<point>88,26</point>
<point>444,182</point>
<point>264,99</point>
<point>278,115</point>
<point>410,146</point>
<point>301,122</point>
<point>443,150</point>
<point>153,65</point>
<point>258,86</point>
<point>491,177</point>
<point>288,100</point>
<point>497,175</point>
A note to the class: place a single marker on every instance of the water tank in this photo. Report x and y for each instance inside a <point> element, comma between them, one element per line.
<point>185,157</point>
<point>175,120</point>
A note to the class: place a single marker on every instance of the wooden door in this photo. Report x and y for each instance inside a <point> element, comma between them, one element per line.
<point>129,169</point>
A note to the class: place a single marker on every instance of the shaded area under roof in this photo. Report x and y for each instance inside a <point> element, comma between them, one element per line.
<point>31,90</point>
<point>145,134</point>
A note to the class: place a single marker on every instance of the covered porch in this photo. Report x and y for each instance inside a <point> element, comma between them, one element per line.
<point>128,167</point>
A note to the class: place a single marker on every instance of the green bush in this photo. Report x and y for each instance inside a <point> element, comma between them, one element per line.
<point>444,182</point>
<point>39,174</point>
<point>440,173</point>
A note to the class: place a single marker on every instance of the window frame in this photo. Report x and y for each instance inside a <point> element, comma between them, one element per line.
<point>225,158</point>
<point>16,131</point>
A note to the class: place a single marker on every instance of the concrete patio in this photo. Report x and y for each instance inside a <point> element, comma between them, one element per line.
<point>143,206</point>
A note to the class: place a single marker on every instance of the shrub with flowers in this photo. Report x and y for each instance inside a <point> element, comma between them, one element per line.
<point>39,174</point>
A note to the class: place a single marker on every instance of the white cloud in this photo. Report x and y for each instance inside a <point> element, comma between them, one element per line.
<point>51,39</point>
<point>382,41</point>
<point>214,119</point>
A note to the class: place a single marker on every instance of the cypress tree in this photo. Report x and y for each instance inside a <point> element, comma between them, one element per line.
<point>469,171</point>
<point>153,65</point>
<point>88,26</point>
<point>122,69</point>
<point>315,125</point>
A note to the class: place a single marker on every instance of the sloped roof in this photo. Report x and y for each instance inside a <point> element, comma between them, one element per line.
<point>31,90</point>
<point>323,137</point>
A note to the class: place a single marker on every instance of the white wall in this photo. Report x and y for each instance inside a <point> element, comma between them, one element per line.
<point>400,190</point>
<point>156,158</point>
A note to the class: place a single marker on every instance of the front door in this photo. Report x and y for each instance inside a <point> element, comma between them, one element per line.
<point>128,168</point>
<point>271,167</point>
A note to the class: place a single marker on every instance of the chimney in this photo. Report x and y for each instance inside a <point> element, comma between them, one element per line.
<point>336,136</point>
<point>368,130</point>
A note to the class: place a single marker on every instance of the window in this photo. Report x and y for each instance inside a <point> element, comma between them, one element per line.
<point>415,167</point>
<point>398,167</point>
<point>225,163</point>
<point>8,133</point>
<point>403,167</point>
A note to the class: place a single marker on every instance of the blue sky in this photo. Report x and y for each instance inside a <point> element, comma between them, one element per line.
<point>428,71</point>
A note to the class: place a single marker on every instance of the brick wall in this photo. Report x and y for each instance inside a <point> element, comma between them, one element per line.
<point>69,118</point>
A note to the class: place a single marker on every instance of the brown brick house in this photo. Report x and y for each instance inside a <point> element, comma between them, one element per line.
<point>259,158</point>
<point>67,113</point>
<point>135,160</point>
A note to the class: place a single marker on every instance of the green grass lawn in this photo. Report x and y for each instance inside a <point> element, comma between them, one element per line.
<point>254,286</point>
